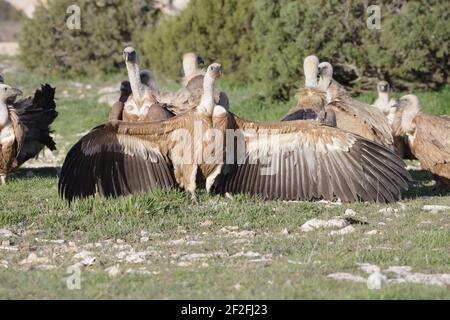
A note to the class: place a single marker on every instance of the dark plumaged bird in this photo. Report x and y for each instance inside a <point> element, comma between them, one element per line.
<point>24,126</point>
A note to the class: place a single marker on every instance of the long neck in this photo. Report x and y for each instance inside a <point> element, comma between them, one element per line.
<point>135,80</point>
<point>189,68</point>
<point>4,114</point>
<point>207,100</point>
<point>383,97</point>
<point>324,82</point>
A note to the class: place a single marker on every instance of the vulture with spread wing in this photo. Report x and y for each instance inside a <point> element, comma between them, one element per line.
<point>428,137</point>
<point>298,160</point>
<point>24,126</point>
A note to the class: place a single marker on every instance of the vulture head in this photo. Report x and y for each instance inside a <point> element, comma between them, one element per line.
<point>130,55</point>
<point>1,79</point>
<point>325,75</point>
<point>402,115</point>
<point>215,70</point>
<point>383,86</point>
<point>8,94</point>
<point>192,63</point>
<point>310,69</point>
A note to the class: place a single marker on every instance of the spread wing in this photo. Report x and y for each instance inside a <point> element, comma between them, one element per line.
<point>311,161</point>
<point>362,119</point>
<point>432,143</point>
<point>36,114</point>
<point>120,158</point>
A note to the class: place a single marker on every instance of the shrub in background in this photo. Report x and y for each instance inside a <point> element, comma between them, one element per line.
<point>219,30</point>
<point>107,26</point>
<point>410,50</point>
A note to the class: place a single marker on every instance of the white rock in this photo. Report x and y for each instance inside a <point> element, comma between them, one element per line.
<point>350,212</point>
<point>248,254</point>
<point>314,224</point>
<point>372,232</point>
<point>375,280</point>
<point>5,233</point>
<point>4,264</point>
<point>144,239</point>
<point>83,255</point>
<point>113,271</point>
<point>435,208</point>
<point>136,257</point>
<point>203,256</point>
<point>34,259</point>
<point>388,210</point>
<point>345,230</point>
<point>404,274</point>
<point>347,276</point>
<point>368,268</point>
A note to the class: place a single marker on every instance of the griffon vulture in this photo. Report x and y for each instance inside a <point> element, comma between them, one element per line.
<point>24,126</point>
<point>383,103</point>
<point>142,104</point>
<point>189,96</point>
<point>298,160</point>
<point>428,137</point>
<point>352,115</point>
<point>311,100</point>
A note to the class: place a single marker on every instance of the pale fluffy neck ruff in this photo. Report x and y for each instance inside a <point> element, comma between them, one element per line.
<point>326,76</point>
<point>206,105</point>
<point>135,80</point>
<point>4,115</point>
<point>382,102</point>
<point>310,68</point>
<point>409,113</point>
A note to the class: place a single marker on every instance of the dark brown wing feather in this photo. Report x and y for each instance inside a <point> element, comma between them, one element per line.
<point>113,165</point>
<point>326,163</point>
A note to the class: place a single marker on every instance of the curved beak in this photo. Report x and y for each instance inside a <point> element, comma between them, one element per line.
<point>130,56</point>
<point>16,92</point>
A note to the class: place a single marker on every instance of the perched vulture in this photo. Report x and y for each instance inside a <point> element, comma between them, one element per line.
<point>298,160</point>
<point>24,126</point>
<point>352,115</point>
<point>189,96</point>
<point>142,104</point>
<point>311,100</point>
<point>192,67</point>
<point>383,103</point>
<point>428,137</point>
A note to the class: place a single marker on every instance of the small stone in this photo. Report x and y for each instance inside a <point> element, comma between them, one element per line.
<point>5,233</point>
<point>34,259</point>
<point>350,213</point>
<point>6,243</point>
<point>144,239</point>
<point>345,230</point>
<point>314,224</point>
<point>372,232</point>
<point>375,280</point>
<point>435,208</point>
<point>113,271</point>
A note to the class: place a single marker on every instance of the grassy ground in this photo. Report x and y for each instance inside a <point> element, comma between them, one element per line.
<point>163,245</point>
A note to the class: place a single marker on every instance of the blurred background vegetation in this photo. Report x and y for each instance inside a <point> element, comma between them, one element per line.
<point>262,42</point>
